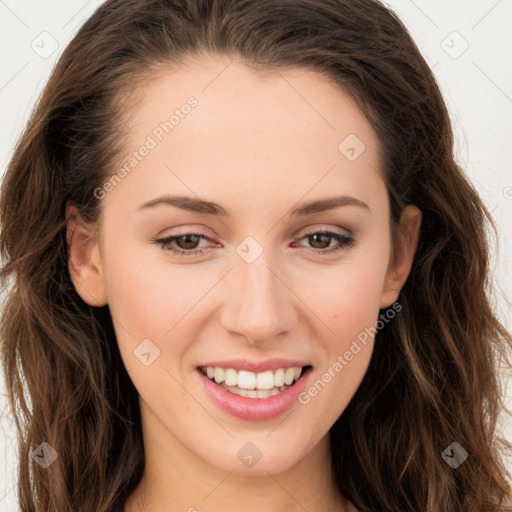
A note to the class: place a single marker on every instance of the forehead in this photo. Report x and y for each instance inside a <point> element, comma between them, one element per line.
<point>217,125</point>
<point>230,91</point>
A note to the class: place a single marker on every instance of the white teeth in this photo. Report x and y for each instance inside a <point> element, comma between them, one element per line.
<point>289,375</point>
<point>246,380</point>
<point>253,393</point>
<point>219,375</point>
<point>279,377</point>
<point>264,381</point>
<point>231,377</point>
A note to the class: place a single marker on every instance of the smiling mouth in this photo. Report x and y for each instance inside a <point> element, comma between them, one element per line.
<point>254,385</point>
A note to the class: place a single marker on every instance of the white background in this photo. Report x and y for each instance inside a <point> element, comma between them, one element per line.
<point>476,82</point>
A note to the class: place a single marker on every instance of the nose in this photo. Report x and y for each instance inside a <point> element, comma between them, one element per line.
<point>259,304</point>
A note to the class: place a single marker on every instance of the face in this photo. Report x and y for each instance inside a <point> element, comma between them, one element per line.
<point>287,269</point>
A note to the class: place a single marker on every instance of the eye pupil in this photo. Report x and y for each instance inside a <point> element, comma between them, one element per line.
<point>315,239</point>
<point>187,241</point>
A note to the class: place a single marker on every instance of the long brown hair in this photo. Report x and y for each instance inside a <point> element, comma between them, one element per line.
<point>432,379</point>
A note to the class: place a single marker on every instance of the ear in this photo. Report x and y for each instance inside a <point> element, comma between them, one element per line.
<point>401,256</point>
<point>84,259</point>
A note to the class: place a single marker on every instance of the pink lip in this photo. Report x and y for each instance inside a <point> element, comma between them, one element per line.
<point>254,408</point>
<point>256,366</point>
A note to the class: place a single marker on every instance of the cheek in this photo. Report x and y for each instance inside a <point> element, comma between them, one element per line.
<point>349,309</point>
<point>147,295</point>
<point>347,298</point>
<point>355,301</point>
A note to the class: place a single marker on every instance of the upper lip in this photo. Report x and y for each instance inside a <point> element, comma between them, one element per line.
<point>257,366</point>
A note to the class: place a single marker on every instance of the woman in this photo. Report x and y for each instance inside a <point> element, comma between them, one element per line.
<point>245,272</point>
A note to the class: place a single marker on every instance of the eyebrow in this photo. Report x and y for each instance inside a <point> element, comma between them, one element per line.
<point>210,208</point>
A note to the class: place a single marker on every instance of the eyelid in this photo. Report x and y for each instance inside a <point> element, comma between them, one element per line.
<point>186,229</point>
<point>330,229</point>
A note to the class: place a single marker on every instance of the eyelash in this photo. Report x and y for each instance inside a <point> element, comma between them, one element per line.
<point>345,241</point>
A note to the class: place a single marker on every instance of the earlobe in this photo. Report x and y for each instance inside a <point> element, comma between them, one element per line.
<point>402,256</point>
<point>84,260</point>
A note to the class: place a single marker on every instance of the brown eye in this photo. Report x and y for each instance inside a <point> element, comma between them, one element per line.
<point>190,241</point>
<point>321,240</point>
<point>185,244</point>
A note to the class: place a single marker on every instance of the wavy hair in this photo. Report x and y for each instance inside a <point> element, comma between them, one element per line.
<point>432,378</point>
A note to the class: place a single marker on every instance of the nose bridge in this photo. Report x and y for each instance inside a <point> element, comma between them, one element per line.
<point>260,306</point>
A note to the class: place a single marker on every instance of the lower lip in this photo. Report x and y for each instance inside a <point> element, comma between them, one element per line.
<point>255,408</point>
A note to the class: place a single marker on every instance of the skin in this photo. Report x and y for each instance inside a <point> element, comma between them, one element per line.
<point>258,144</point>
